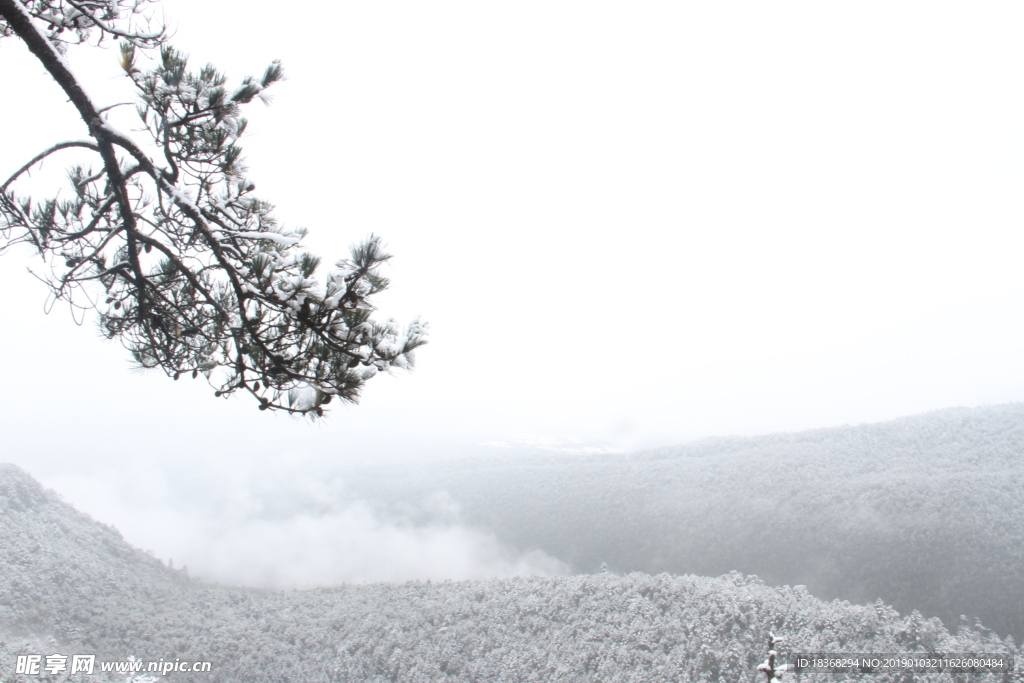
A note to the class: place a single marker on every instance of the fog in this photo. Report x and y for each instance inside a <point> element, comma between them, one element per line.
<point>627,229</point>
<point>282,523</point>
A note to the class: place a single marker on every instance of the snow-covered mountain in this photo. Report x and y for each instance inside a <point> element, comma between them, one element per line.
<point>923,512</point>
<point>69,584</point>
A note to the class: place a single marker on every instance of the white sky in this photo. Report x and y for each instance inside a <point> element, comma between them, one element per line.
<point>629,224</point>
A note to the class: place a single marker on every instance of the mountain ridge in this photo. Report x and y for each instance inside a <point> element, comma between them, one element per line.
<point>923,511</point>
<point>75,585</point>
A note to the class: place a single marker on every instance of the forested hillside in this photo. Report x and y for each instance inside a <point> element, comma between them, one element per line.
<point>924,512</point>
<point>74,585</point>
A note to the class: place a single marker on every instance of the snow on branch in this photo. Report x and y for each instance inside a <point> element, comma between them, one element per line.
<point>184,264</point>
<point>773,671</point>
<point>69,22</point>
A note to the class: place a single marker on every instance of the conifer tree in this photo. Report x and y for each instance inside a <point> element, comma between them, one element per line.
<point>185,265</point>
<point>772,671</point>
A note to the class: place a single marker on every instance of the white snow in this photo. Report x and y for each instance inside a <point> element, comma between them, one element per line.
<point>283,240</point>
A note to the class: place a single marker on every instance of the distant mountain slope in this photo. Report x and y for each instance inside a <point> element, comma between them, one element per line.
<point>66,576</point>
<point>52,555</point>
<point>924,512</point>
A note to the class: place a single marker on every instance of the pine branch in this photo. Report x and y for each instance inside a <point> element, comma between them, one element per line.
<point>232,295</point>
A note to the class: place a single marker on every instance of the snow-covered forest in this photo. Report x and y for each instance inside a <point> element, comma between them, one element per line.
<point>920,507</point>
<point>923,512</point>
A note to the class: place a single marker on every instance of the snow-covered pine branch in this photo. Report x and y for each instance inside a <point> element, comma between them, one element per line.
<point>191,270</point>
<point>70,22</point>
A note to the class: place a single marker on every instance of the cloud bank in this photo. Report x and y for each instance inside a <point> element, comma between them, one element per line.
<point>267,525</point>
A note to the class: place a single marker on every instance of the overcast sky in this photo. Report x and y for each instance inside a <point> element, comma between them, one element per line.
<point>628,224</point>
